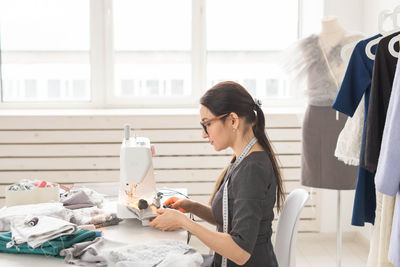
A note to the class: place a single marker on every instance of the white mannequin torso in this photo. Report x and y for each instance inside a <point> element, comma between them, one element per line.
<point>332,32</point>
<point>319,67</point>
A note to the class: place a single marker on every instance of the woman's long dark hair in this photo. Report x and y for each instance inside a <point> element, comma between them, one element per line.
<point>227,97</point>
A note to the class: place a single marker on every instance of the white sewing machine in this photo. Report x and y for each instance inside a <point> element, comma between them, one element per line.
<point>137,193</point>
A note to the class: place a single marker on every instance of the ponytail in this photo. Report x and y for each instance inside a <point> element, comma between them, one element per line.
<point>262,138</point>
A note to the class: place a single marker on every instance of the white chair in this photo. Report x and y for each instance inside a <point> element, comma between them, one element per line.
<point>286,232</point>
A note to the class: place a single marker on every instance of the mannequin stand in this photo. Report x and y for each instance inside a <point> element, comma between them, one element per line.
<point>339,231</point>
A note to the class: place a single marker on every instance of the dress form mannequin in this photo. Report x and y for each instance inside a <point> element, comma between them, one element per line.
<point>320,72</point>
<point>324,70</point>
<point>332,32</point>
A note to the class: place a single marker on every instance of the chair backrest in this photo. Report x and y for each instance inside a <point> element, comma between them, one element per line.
<point>286,232</point>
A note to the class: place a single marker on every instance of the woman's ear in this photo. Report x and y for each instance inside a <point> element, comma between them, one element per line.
<point>234,120</point>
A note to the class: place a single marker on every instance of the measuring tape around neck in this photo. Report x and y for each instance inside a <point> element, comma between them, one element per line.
<point>225,213</point>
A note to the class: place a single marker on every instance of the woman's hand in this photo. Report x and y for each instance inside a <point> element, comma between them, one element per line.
<point>182,204</point>
<point>168,220</point>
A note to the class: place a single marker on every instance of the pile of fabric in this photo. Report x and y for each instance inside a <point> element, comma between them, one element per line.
<point>60,229</point>
<point>50,228</point>
<point>42,234</point>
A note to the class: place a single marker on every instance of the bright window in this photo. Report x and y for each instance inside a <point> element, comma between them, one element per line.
<point>153,53</point>
<point>45,50</point>
<point>152,48</point>
<point>244,45</point>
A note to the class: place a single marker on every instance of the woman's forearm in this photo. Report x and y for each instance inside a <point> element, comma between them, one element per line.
<point>221,243</point>
<point>202,211</point>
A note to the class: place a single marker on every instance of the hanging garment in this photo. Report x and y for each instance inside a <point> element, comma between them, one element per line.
<point>394,248</point>
<point>380,240</point>
<point>381,87</point>
<point>388,172</point>
<point>349,140</point>
<point>356,83</point>
<point>319,167</point>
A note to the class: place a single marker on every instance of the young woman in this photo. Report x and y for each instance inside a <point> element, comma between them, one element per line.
<point>251,183</point>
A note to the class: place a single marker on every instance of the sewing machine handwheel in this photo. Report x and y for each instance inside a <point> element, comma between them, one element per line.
<point>143,204</point>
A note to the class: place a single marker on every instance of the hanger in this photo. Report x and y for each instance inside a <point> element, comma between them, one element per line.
<point>395,39</point>
<point>344,53</point>
<point>391,44</point>
<point>385,14</point>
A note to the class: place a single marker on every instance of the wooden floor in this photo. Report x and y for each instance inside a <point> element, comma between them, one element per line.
<point>319,249</point>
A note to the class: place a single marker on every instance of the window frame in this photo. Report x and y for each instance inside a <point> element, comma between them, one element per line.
<point>101,56</point>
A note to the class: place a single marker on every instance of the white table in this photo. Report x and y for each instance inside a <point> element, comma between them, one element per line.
<point>128,232</point>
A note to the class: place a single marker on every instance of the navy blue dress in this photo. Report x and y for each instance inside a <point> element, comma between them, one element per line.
<point>356,83</point>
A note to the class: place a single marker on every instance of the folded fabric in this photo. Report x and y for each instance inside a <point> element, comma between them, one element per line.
<point>94,197</point>
<point>43,229</point>
<point>51,248</point>
<point>77,200</point>
<point>94,216</point>
<point>55,210</point>
<point>154,254</point>
<point>85,253</point>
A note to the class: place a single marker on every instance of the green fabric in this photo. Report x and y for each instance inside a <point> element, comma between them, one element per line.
<point>52,247</point>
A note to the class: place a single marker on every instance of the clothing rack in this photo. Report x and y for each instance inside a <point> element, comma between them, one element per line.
<point>364,214</point>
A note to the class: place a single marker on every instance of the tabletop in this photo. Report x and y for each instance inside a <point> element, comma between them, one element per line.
<point>127,232</point>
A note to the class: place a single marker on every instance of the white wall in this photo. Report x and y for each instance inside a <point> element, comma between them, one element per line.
<point>349,13</point>
<point>372,8</point>
<point>328,212</point>
<point>359,15</point>
<point>329,209</point>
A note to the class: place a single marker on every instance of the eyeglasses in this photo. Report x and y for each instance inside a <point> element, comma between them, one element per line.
<point>204,123</point>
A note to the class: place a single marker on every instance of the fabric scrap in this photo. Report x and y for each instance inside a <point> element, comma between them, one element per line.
<point>55,210</point>
<point>46,229</point>
<point>51,248</point>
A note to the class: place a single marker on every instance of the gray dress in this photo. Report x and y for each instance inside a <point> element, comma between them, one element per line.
<point>319,166</point>
<point>251,193</point>
<point>320,131</point>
